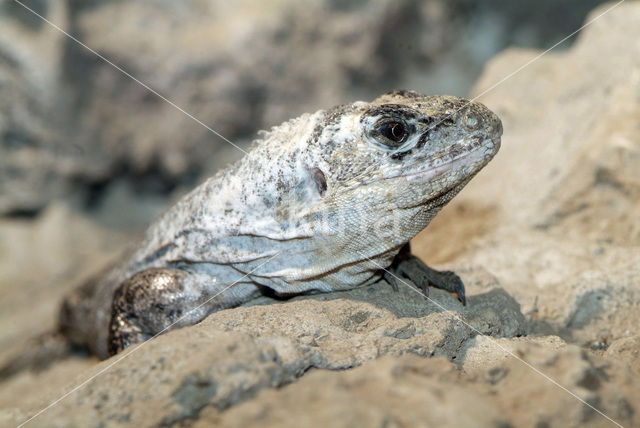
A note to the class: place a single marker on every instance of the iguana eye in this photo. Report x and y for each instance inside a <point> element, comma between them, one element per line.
<point>394,131</point>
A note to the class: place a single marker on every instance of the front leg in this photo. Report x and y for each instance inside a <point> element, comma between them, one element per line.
<point>143,305</point>
<point>406,265</point>
<point>156,300</point>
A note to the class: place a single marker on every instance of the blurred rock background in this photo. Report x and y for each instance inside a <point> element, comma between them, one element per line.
<point>546,238</point>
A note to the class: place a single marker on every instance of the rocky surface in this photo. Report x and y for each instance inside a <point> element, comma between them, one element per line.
<point>234,353</point>
<point>384,393</point>
<point>546,240</point>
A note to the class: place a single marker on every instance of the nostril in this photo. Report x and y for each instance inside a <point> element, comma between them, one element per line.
<point>472,121</point>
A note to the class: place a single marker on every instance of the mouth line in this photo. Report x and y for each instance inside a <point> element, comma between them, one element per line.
<point>437,171</point>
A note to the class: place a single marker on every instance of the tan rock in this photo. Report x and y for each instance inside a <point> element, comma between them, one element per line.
<point>394,392</point>
<point>234,353</point>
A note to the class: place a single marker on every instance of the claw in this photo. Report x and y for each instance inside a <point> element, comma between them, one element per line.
<point>461,296</point>
<point>458,286</point>
<point>393,282</point>
<point>424,277</point>
<point>425,289</point>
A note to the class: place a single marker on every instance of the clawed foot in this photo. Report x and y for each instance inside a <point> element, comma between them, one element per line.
<point>408,266</point>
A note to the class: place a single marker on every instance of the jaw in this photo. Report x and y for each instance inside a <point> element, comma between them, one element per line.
<point>434,200</point>
<point>458,168</point>
<point>433,182</point>
<point>445,177</point>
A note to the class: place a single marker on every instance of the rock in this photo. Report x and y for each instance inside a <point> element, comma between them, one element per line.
<point>232,354</point>
<point>581,178</point>
<point>544,386</point>
<point>396,392</point>
<point>483,351</point>
<point>29,392</point>
<point>42,258</point>
<point>32,155</point>
<point>626,349</point>
<point>227,378</point>
<point>410,391</point>
<point>237,68</point>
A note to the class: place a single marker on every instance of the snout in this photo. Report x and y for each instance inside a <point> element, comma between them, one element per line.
<point>477,117</point>
<point>493,122</point>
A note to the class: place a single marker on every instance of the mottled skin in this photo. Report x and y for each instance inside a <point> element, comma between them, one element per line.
<point>321,203</point>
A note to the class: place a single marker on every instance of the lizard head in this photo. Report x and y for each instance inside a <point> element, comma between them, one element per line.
<point>404,154</point>
<point>420,146</point>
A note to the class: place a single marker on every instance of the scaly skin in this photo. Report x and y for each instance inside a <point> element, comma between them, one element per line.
<point>320,203</point>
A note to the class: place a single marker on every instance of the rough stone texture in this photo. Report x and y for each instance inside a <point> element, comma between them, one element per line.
<point>381,393</point>
<point>529,399</point>
<point>410,391</point>
<point>234,353</point>
<point>551,224</point>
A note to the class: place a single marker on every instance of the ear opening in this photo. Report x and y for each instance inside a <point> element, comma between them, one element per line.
<point>319,180</point>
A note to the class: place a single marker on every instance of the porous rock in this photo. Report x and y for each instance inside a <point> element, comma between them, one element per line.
<point>233,354</point>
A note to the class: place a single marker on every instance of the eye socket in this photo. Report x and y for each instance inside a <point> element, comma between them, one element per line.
<point>394,131</point>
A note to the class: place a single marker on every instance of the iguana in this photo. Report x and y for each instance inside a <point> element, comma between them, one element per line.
<point>327,201</point>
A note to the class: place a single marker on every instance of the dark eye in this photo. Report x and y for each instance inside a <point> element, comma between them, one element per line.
<point>394,131</point>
